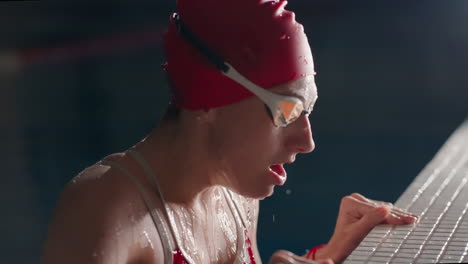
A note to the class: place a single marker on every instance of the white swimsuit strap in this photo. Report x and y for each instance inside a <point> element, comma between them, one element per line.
<point>169,218</point>
<point>236,207</point>
<point>242,254</point>
<point>156,215</point>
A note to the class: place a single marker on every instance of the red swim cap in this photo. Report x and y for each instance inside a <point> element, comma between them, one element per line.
<point>260,39</point>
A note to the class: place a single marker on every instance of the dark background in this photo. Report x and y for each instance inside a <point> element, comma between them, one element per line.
<point>80,81</point>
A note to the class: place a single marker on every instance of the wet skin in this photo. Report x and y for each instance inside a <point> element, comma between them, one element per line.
<point>102,218</point>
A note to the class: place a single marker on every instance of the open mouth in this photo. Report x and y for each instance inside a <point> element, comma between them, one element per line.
<point>279,172</point>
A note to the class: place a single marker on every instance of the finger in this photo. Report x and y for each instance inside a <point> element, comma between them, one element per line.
<point>372,218</point>
<point>375,203</point>
<point>392,206</point>
<point>355,206</point>
<point>325,261</point>
<point>360,197</point>
<point>406,217</point>
<point>394,217</point>
<point>404,213</point>
<point>379,203</point>
<point>398,214</point>
<point>397,218</point>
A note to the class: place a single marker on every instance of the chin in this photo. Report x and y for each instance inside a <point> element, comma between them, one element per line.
<point>259,193</point>
<point>258,186</point>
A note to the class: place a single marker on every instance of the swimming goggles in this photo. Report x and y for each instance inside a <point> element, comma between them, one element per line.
<point>283,109</point>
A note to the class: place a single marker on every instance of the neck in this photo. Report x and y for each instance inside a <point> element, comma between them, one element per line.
<point>180,163</point>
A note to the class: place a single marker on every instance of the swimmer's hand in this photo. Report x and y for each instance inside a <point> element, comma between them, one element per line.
<point>356,218</point>
<point>286,257</point>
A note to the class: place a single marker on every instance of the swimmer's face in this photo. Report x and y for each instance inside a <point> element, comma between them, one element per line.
<point>251,149</point>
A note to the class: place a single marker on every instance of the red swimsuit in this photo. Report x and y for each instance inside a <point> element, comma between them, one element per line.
<point>180,259</point>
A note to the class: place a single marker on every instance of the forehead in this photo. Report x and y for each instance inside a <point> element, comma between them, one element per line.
<point>303,88</point>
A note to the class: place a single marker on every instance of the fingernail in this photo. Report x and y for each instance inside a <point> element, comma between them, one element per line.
<point>411,219</point>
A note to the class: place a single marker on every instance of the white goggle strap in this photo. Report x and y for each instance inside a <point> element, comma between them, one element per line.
<point>267,97</point>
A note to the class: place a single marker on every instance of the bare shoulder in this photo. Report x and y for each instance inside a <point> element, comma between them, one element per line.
<point>101,218</point>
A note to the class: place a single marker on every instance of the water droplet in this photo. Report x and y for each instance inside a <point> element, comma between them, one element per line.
<point>273,218</point>
<point>148,239</point>
<point>288,192</point>
<point>118,228</point>
<point>306,62</point>
<point>94,254</point>
<point>284,36</point>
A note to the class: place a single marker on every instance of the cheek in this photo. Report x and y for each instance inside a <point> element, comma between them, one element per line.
<point>247,151</point>
<point>251,141</point>
<point>245,136</point>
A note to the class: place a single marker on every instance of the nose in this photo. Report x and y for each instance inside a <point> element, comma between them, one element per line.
<point>301,140</point>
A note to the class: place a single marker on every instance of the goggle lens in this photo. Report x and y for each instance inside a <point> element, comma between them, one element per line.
<point>287,112</point>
